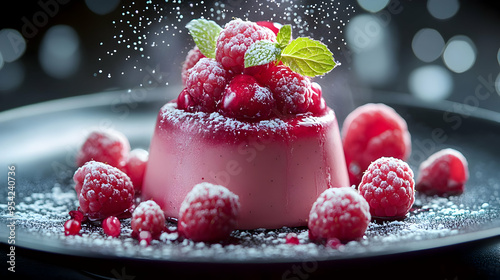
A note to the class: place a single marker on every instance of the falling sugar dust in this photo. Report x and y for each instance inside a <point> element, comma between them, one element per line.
<point>150,38</point>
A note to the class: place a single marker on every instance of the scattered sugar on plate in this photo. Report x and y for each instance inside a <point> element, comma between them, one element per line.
<point>432,218</point>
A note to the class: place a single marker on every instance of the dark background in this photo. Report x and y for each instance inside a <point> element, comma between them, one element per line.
<point>479,20</point>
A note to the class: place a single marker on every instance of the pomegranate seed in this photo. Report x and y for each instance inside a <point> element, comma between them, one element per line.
<point>111,226</point>
<point>72,227</point>
<point>333,243</point>
<point>76,215</point>
<point>292,238</point>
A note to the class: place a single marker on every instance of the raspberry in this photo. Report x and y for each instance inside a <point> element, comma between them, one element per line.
<point>443,173</point>
<point>136,166</point>
<point>389,188</point>
<point>185,102</point>
<point>72,227</point>
<point>103,190</point>
<point>111,226</point>
<point>339,213</point>
<point>208,213</point>
<point>245,98</point>
<point>273,26</point>
<point>148,216</point>
<point>206,83</point>
<point>372,131</point>
<point>145,238</point>
<point>318,104</point>
<point>108,146</point>
<point>234,40</point>
<point>292,91</point>
<point>193,56</point>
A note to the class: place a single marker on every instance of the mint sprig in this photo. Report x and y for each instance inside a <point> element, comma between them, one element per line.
<point>308,57</point>
<point>262,52</point>
<point>303,55</point>
<point>284,36</point>
<point>205,33</point>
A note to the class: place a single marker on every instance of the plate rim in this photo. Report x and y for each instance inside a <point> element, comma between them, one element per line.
<point>104,98</point>
<point>424,247</point>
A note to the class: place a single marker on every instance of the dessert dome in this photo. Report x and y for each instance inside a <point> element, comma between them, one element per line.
<point>250,119</point>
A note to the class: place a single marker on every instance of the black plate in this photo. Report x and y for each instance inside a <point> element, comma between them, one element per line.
<point>41,141</point>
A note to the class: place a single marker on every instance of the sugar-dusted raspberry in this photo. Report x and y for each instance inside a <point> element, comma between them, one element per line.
<point>443,173</point>
<point>292,91</point>
<point>136,166</point>
<point>333,243</point>
<point>193,56</point>
<point>72,227</point>
<point>234,40</point>
<point>208,213</point>
<point>205,84</point>
<point>145,238</point>
<point>259,71</point>
<point>340,213</point>
<point>372,131</point>
<point>389,188</point>
<point>148,216</point>
<point>273,26</point>
<point>103,190</point>
<point>108,146</point>
<point>245,98</point>
<point>111,226</point>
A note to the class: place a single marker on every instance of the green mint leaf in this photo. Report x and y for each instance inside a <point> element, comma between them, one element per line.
<point>308,57</point>
<point>205,33</point>
<point>261,52</point>
<point>284,36</point>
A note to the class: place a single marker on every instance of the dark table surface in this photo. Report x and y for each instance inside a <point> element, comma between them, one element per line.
<point>476,260</point>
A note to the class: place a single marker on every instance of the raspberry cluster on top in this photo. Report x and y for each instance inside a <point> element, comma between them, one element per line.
<point>225,84</point>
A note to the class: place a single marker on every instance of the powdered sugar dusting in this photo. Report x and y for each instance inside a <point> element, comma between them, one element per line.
<point>215,126</point>
<point>148,216</point>
<point>211,123</point>
<point>41,216</point>
<point>209,192</point>
<point>146,208</point>
<point>262,94</point>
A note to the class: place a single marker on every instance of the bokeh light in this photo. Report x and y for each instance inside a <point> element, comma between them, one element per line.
<point>59,52</point>
<point>11,76</point>
<point>498,56</point>
<point>459,54</point>
<point>497,84</point>
<point>12,44</point>
<point>373,61</point>
<point>373,6</point>
<point>431,83</point>
<point>427,44</point>
<point>364,32</point>
<point>443,9</point>
<point>102,7</point>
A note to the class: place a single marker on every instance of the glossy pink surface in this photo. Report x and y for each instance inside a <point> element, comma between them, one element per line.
<point>277,167</point>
